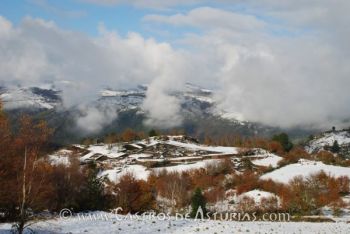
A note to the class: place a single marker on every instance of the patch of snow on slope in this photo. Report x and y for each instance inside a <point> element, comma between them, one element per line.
<point>219,149</point>
<point>24,98</point>
<point>304,168</point>
<point>257,195</point>
<point>186,167</point>
<point>136,156</point>
<point>200,98</point>
<point>113,152</point>
<point>60,158</point>
<point>108,93</point>
<point>138,171</point>
<point>267,160</point>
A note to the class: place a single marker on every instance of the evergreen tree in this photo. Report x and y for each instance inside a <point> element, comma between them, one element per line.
<point>283,139</point>
<point>335,147</point>
<point>198,201</point>
<point>152,133</point>
<point>93,196</point>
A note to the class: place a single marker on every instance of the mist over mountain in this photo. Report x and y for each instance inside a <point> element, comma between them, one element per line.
<point>115,110</point>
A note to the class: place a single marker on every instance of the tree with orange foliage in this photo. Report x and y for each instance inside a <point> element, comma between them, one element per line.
<point>133,195</point>
<point>29,142</point>
<point>67,183</point>
<point>306,195</point>
<point>344,184</point>
<point>24,181</point>
<point>130,135</point>
<point>246,181</point>
<point>215,194</point>
<point>7,170</point>
<point>326,157</point>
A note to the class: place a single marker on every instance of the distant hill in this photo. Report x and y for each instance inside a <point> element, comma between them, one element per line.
<point>200,113</point>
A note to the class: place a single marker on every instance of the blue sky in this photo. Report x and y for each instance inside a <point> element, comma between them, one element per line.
<point>78,15</point>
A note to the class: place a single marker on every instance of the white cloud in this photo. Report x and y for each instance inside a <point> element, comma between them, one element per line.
<point>141,3</point>
<point>38,51</point>
<point>92,119</point>
<point>208,18</point>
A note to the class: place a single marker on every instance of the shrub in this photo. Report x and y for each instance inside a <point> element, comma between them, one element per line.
<point>246,204</point>
<point>133,195</point>
<point>198,201</point>
<point>283,139</point>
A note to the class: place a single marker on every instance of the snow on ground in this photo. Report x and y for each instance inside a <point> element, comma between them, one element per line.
<point>60,157</point>
<point>121,224</point>
<point>136,156</point>
<point>200,98</point>
<point>58,160</point>
<point>267,160</point>
<point>232,116</point>
<point>104,149</point>
<point>305,168</point>
<point>257,195</point>
<point>343,137</point>
<point>24,97</point>
<point>151,160</point>
<point>186,167</point>
<point>219,149</point>
<point>140,172</point>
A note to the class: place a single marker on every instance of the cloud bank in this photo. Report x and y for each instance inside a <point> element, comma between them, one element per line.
<point>37,51</point>
<point>275,62</point>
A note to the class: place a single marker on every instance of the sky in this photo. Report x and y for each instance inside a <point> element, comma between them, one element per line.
<point>281,63</point>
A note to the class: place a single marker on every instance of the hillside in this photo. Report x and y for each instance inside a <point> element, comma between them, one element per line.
<point>326,140</point>
<point>155,154</point>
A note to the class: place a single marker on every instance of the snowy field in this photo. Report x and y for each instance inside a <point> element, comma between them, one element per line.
<point>141,172</point>
<point>267,159</point>
<point>112,225</point>
<point>304,168</point>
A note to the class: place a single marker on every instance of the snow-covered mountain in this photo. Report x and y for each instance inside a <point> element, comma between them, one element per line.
<point>199,110</point>
<point>30,97</point>
<point>193,98</point>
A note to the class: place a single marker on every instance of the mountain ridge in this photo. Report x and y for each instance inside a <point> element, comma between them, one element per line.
<point>201,116</point>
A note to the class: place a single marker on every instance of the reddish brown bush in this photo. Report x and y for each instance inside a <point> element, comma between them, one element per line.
<point>133,195</point>
<point>214,194</point>
<point>246,204</point>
